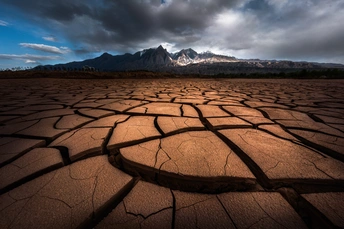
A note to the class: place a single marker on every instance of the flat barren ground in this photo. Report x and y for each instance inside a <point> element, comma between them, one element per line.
<point>171,153</point>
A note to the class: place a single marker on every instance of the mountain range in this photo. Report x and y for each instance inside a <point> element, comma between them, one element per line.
<point>186,61</point>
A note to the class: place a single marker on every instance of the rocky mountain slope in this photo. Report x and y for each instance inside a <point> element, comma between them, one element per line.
<point>185,61</point>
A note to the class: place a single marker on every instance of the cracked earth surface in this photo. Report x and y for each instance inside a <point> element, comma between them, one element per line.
<point>171,153</point>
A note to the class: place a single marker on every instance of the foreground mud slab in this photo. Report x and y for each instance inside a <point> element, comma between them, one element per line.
<point>171,153</point>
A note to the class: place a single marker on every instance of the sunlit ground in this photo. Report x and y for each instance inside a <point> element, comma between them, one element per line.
<point>171,153</point>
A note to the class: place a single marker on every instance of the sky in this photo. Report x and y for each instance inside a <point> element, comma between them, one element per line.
<point>34,32</point>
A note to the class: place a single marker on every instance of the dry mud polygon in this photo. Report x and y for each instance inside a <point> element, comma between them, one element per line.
<point>171,153</point>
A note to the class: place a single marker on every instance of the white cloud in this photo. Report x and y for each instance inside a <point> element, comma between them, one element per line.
<point>27,57</point>
<point>3,23</point>
<point>235,32</point>
<point>46,48</point>
<point>66,49</point>
<point>53,39</point>
<point>31,61</point>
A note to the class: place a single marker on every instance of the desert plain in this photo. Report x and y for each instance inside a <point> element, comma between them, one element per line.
<point>171,153</point>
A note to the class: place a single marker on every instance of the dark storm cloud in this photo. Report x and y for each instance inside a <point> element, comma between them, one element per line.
<point>60,10</point>
<point>115,23</point>
<point>246,28</point>
<point>308,29</point>
<point>132,22</point>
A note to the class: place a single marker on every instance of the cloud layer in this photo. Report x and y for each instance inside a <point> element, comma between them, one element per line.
<point>52,39</point>
<point>3,23</point>
<point>46,48</point>
<point>282,29</point>
<point>28,57</point>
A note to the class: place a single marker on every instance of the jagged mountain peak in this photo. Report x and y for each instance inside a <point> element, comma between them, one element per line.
<point>186,60</point>
<point>186,52</point>
<point>161,50</point>
<point>160,47</point>
<point>106,54</point>
<point>207,54</point>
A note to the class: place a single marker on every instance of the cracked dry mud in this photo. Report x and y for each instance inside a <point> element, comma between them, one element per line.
<point>171,153</point>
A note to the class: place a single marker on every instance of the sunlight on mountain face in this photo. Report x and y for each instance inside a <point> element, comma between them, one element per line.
<point>185,61</point>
